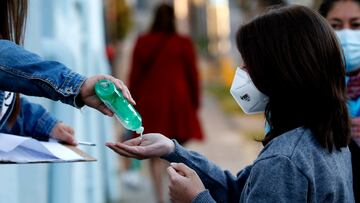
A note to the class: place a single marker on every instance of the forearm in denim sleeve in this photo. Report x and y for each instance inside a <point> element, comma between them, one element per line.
<point>44,126</point>
<point>36,121</point>
<point>35,76</point>
<point>223,186</point>
<point>33,121</point>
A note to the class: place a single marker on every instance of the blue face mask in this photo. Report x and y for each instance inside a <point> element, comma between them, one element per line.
<point>267,127</point>
<point>350,43</point>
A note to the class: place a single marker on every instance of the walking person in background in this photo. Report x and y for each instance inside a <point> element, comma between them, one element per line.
<point>24,72</point>
<point>293,70</point>
<point>344,17</point>
<point>164,82</point>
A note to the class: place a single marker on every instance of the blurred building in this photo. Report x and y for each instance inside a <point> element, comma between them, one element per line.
<point>72,32</point>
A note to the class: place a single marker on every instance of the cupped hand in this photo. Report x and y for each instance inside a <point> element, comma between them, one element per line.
<point>63,133</point>
<point>88,96</point>
<point>149,146</point>
<point>184,183</point>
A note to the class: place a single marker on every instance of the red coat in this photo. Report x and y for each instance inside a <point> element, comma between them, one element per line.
<point>164,83</point>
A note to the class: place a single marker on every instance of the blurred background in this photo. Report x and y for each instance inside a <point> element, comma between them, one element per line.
<point>98,36</point>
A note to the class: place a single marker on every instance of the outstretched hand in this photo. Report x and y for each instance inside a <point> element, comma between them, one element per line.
<point>151,145</point>
<point>88,96</point>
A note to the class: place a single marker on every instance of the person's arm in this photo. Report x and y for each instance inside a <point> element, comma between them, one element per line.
<point>25,72</point>
<point>221,185</point>
<point>32,121</point>
<point>276,179</point>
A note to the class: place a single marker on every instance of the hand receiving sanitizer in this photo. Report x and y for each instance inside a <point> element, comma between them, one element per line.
<point>116,102</point>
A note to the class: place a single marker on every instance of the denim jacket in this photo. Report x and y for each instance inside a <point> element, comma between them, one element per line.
<point>24,72</point>
<point>293,167</point>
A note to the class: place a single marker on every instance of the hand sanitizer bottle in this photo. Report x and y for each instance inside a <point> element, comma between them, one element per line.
<point>123,110</point>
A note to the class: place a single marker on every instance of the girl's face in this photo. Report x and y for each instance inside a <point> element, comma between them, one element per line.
<point>345,15</point>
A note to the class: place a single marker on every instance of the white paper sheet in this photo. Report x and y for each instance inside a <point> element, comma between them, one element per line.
<point>27,150</point>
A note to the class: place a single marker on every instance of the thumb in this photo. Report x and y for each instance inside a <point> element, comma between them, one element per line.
<point>173,174</point>
<point>183,169</point>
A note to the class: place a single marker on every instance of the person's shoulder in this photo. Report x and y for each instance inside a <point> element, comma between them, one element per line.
<point>302,147</point>
<point>183,41</point>
<point>5,44</point>
<point>288,143</point>
<point>280,151</point>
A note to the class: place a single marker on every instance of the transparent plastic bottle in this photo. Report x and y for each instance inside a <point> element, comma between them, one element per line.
<point>123,110</point>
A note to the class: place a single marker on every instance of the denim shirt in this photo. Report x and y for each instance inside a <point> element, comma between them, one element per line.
<point>32,121</point>
<point>27,73</point>
<point>293,167</point>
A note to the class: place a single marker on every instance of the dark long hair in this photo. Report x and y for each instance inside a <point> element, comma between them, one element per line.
<point>164,19</point>
<point>12,24</point>
<point>327,5</point>
<point>292,55</point>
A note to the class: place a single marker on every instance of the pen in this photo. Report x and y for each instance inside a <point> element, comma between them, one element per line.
<point>86,143</point>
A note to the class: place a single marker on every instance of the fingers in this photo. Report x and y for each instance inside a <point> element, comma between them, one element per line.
<point>63,133</point>
<point>129,148</point>
<point>133,142</point>
<point>121,151</point>
<point>135,150</point>
<point>105,110</point>
<point>172,172</point>
<point>70,130</point>
<point>67,138</point>
<point>183,169</point>
<point>174,176</point>
<point>126,92</point>
<point>176,182</point>
<point>87,92</point>
<point>124,89</point>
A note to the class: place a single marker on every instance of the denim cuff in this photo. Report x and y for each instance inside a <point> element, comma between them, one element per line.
<point>44,126</point>
<point>177,155</point>
<point>71,89</point>
<point>203,197</point>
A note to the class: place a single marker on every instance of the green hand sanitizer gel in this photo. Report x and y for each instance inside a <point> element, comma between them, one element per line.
<point>123,110</point>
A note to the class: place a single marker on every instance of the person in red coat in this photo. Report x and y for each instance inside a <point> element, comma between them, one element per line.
<point>165,85</point>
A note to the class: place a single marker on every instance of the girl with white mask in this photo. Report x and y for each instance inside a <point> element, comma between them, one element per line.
<point>344,17</point>
<point>291,70</point>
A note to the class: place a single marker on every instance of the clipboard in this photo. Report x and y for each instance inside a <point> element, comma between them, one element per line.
<point>87,158</point>
<point>24,150</point>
